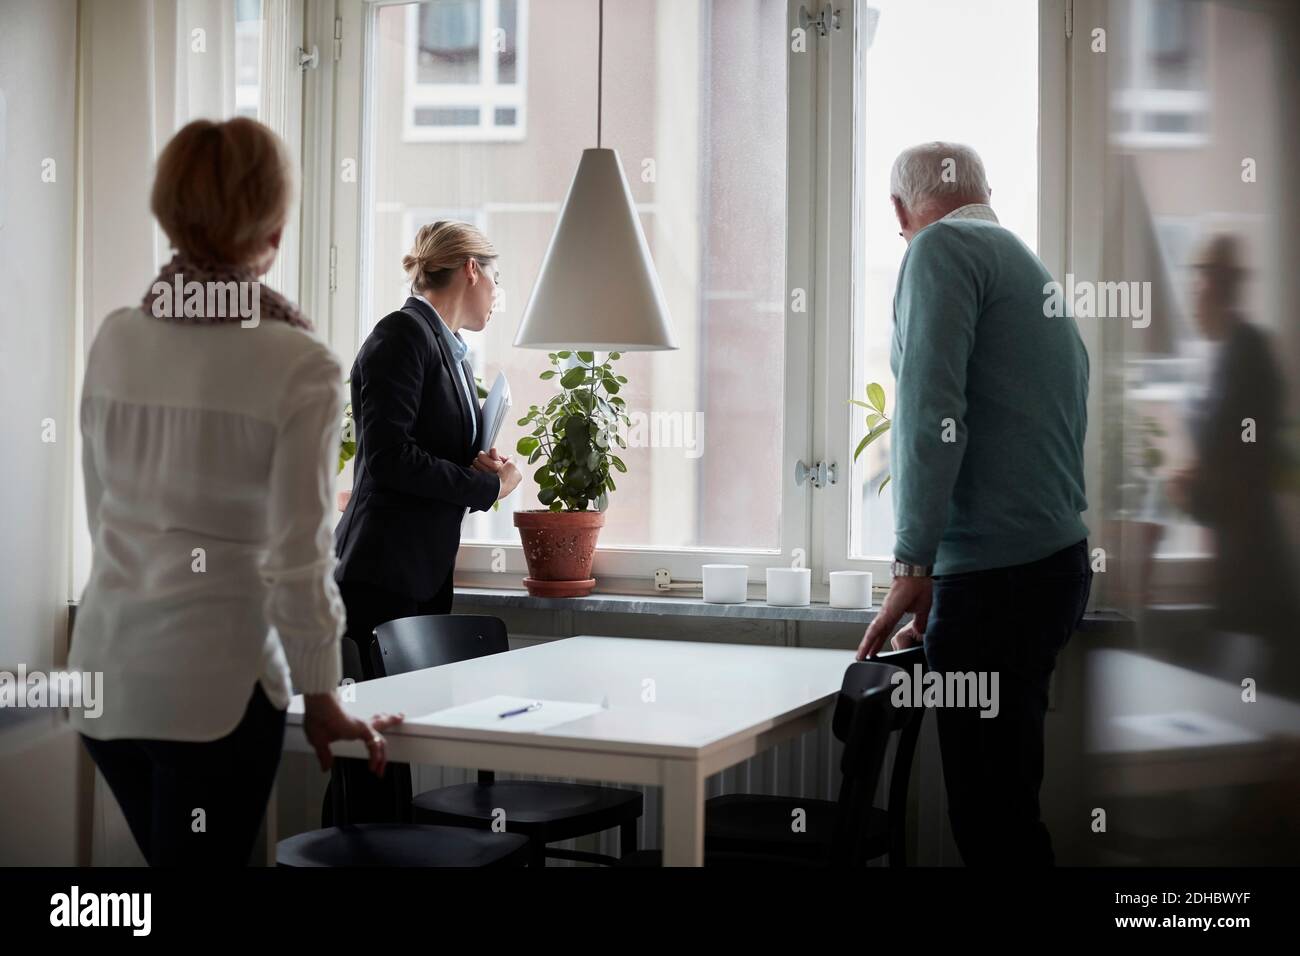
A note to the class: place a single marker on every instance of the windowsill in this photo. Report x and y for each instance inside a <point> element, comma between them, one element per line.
<point>682,606</point>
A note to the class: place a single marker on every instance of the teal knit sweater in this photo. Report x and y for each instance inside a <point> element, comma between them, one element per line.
<point>991,406</point>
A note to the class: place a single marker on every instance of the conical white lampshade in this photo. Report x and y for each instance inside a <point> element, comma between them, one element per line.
<point>598,288</point>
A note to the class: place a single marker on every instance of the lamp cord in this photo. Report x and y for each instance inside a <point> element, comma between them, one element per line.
<point>600,66</point>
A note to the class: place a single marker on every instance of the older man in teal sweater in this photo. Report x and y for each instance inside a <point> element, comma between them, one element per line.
<point>990,553</point>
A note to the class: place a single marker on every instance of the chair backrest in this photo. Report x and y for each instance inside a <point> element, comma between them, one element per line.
<point>864,718</point>
<point>351,655</point>
<point>900,774</point>
<point>431,640</point>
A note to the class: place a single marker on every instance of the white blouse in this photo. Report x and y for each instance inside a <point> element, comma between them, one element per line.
<point>209,456</point>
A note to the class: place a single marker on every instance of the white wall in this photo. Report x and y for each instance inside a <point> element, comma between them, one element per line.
<point>38,48</point>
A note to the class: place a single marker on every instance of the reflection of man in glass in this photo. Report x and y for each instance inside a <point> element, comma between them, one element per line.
<point>1236,432</point>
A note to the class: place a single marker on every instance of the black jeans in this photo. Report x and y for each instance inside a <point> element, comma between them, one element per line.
<point>1012,621</point>
<point>367,798</point>
<point>160,784</point>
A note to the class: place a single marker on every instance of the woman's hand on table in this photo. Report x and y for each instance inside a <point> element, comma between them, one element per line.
<point>326,721</point>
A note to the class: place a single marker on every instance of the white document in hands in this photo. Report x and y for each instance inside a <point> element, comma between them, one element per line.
<point>486,714</point>
<point>495,408</point>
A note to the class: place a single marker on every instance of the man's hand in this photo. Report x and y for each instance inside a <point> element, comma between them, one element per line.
<point>905,595</point>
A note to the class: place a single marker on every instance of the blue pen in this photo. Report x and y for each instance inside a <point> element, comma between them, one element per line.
<point>521,710</point>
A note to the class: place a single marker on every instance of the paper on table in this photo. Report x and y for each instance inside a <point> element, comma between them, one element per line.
<point>495,407</point>
<point>485,714</point>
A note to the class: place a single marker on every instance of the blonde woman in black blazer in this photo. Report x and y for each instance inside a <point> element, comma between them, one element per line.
<point>417,415</point>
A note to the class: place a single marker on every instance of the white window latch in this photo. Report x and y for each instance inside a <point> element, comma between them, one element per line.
<point>308,61</point>
<point>820,473</point>
<point>664,582</point>
<point>823,23</point>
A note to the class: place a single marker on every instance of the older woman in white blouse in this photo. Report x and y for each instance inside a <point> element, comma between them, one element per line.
<point>210,418</point>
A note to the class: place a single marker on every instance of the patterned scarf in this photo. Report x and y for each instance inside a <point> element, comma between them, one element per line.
<point>187,290</point>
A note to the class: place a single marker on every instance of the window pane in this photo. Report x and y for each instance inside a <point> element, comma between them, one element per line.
<point>442,116</point>
<point>1175,44</point>
<point>248,57</point>
<point>506,117</point>
<point>507,55</point>
<point>979,86</point>
<point>449,41</point>
<point>698,117</point>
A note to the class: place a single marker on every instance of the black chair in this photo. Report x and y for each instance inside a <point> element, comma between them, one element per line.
<point>753,830</point>
<point>544,812</point>
<point>389,844</point>
<point>752,823</point>
<point>401,844</point>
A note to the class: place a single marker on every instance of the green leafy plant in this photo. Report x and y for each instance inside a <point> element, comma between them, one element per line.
<point>348,437</point>
<point>878,423</point>
<point>574,433</point>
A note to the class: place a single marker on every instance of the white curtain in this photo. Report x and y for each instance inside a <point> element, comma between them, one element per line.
<point>148,68</point>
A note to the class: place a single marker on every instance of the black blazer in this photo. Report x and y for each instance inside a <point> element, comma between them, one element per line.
<point>413,483</point>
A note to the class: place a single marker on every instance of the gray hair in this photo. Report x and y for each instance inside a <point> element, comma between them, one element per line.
<point>938,171</point>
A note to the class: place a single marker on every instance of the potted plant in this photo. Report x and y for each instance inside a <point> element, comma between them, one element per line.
<point>573,435</point>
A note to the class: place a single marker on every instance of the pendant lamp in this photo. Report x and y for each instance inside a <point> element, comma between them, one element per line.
<point>598,288</point>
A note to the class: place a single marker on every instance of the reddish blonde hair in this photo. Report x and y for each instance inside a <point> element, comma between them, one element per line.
<point>222,190</point>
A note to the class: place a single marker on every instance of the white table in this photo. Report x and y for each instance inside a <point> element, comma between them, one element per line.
<point>678,711</point>
<point>1156,728</point>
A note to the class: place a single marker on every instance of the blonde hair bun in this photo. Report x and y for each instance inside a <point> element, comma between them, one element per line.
<point>442,247</point>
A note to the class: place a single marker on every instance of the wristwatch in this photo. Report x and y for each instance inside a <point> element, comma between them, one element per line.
<point>901,569</point>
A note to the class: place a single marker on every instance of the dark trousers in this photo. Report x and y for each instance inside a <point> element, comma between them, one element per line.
<point>1012,621</point>
<point>162,784</point>
<point>367,798</point>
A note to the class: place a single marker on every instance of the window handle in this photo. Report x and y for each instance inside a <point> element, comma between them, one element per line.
<point>820,473</point>
<point>824,22</point>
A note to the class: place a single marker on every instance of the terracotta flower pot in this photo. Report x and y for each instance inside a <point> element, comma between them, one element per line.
<point>559,547</point>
